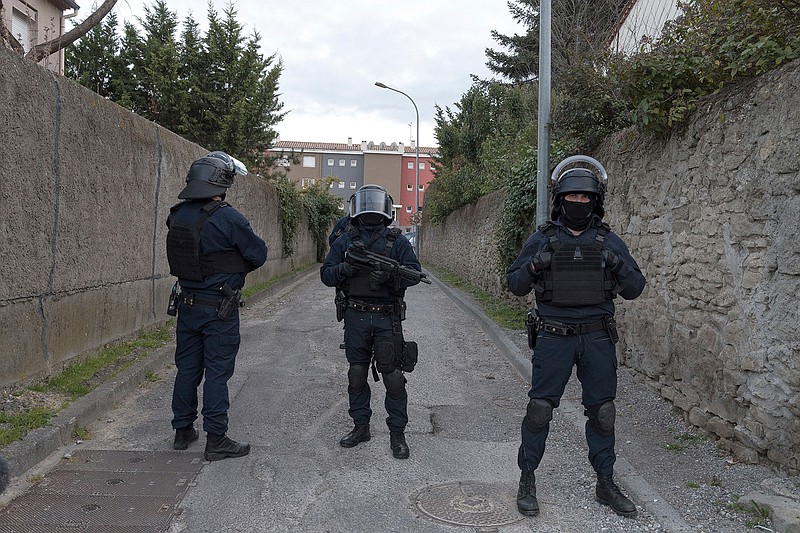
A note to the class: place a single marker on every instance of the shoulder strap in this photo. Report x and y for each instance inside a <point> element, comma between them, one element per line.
<point>207,210</point>
<point>603,229</point>
<point>551,232</point>
<point>355,235</point>
<point>391,237</point>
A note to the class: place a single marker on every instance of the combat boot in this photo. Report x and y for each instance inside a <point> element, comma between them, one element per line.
<point>359,434</point>
<point>397,441</point>
<point>221,447</point>
<point>609,494</point>
<point>184,437</point>
<point>527,503</point>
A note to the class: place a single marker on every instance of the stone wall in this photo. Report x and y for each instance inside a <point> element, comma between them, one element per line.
<point>465,245</point>
<point>711,215</point>
<point>85,189</point>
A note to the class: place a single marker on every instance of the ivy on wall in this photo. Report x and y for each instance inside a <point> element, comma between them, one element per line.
<point>320,207</point>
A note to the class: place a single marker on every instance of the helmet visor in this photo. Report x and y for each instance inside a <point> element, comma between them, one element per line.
<point>371,201</point>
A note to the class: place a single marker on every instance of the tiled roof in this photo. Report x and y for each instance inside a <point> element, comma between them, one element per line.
<point>344,147</point>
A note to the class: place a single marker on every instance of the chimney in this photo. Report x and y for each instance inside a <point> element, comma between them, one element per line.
<point>349,141</point>
<point>413,143</point>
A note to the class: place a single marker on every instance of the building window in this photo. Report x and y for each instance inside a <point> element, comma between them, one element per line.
<point>421,187</point>
<point>284,162</point>
<point>354,162</point>
<point>309,161</point>
<point>330,162</point>
<point>409,187</point>
<point>307,182</point>
<point>332,185</point>
<point>411,165</point>
<point>422,166</point>
<point>341,162</point>
<point>23,27</point>
<point>408,209</point>
<point>341,184</point>
<point>352,184</point>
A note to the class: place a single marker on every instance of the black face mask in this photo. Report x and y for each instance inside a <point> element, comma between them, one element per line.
<point>577,215</point>
<point>370,219</point>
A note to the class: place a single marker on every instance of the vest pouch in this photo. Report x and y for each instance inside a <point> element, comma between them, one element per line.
<point>410,354</point>
<point>384,356</point>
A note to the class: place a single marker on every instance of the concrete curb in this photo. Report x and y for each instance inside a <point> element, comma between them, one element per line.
<point>639,490</point>
<point>38,444</point>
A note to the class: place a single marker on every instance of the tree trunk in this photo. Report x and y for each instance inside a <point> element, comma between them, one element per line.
<point>41,51</point>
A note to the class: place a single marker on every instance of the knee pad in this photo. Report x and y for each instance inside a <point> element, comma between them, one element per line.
<point>395,383</point>
<point>602,417</point>
<point>539,415</point>
<point>357,378</point>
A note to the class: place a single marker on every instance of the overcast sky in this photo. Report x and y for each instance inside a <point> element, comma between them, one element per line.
<point>334,52</point>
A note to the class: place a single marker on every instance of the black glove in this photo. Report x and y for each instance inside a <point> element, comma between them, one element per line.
<point>541,261</point>
<point>346,270</point>
<point>611,260</point>
<point>379,277</point>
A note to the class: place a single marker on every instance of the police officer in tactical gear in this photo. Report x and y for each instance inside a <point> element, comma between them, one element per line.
<point>210,248</point>
<point>374,309</point>
<point>576,265</point>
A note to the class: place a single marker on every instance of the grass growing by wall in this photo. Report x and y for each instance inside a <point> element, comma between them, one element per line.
<point>499,311</point>
<point>36,405</point>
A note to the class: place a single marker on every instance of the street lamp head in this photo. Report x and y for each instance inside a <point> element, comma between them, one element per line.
<point>381,85</point>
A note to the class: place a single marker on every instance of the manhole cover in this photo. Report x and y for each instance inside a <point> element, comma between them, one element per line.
<point>469,503</point>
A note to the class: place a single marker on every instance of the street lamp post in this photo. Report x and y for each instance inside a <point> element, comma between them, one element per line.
<point>416,167</point>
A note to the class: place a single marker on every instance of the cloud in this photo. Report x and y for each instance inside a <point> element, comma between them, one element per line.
<point>334,52</point>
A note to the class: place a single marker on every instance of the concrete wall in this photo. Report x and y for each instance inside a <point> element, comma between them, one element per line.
<point>711,215</point>
<point>85,189</point>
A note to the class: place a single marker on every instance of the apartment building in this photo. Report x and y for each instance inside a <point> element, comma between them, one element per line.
<point>390,165</point>
<point>641,19</point>
<point>33,22</point>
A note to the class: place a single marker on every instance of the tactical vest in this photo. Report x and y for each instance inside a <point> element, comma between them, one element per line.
<point>577,275</point>
<point>359,286</point>
<point>187,260</point>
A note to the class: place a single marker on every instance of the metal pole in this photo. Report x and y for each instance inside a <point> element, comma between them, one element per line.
<point>416,166</point>
<point>543,149</point>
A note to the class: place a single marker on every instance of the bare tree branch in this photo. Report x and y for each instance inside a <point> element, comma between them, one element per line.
<point>41,51</point>
<point>6,37</point>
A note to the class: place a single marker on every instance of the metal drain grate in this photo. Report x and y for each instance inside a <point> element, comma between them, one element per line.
<point>102,491</point>
<point>469,503</point>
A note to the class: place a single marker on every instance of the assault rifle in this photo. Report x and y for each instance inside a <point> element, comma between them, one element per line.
<point>359,256</point>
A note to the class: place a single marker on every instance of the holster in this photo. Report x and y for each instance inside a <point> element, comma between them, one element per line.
<point>341,304</point>
<point>611,327</point>
<point>532,328</point>
<point>229,303</point>
<point>385,360</point>
<point>395,353</point>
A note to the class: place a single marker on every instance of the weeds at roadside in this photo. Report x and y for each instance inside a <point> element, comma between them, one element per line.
<point>685,440</point>
<point>759,514</point>
<point>501,313</point>
<point>82,433</point>
<point>24,410</point>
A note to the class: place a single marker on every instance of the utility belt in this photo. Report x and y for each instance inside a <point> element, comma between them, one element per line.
<point>396,308</point>
<point>534,324</point>
<point>190,299</point>
<point>225,306</point>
